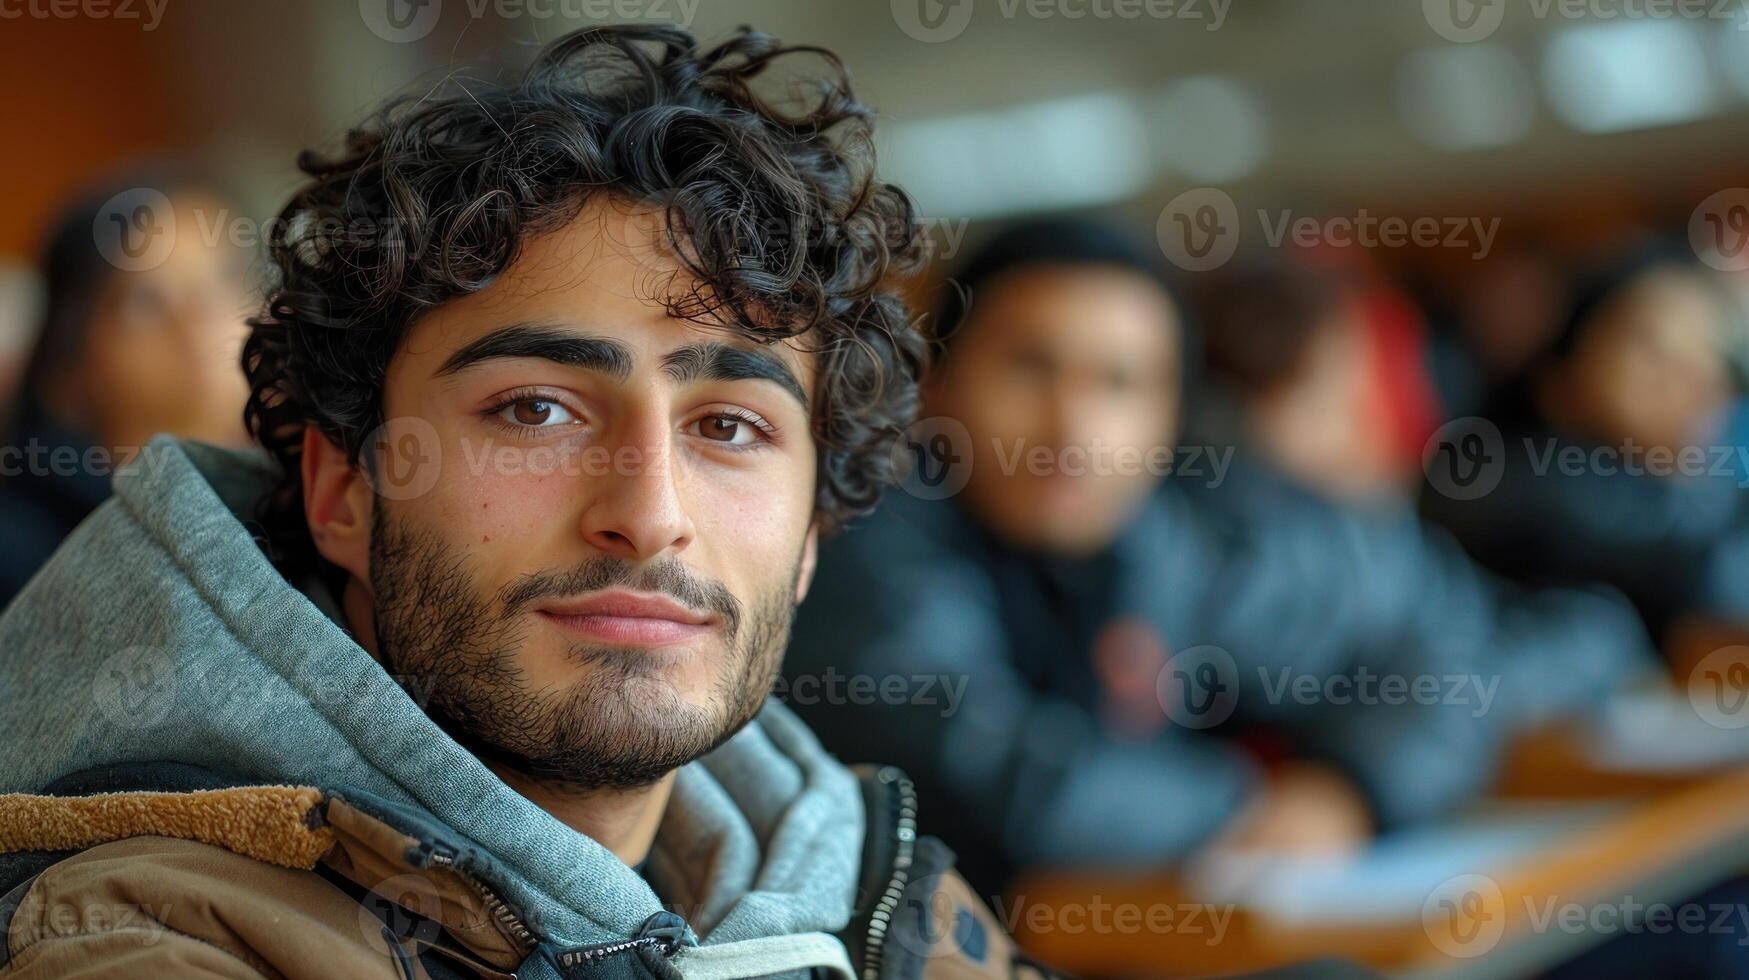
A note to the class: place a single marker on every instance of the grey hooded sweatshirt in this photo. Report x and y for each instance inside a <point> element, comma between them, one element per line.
<point>160,633</point>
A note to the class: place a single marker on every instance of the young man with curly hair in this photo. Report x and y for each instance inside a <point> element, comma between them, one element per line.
<point>561,381</point>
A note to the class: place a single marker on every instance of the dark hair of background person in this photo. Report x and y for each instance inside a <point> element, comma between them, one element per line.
<point>1260,318</point>
<point>771,204</point>
<point>1043,242</point>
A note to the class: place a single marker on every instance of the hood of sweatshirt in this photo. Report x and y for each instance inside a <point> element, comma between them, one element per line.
<point>160,632</point>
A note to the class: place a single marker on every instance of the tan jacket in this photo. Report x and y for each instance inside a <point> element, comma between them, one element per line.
<point>282,881</point>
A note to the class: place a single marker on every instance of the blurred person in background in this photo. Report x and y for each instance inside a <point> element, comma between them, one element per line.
<point>1316,372</point>
<point>1101,629</point>
<point>1617,467</point>
<point>1291,383</point>
<point>1491,323</point>
<point>126,349</point>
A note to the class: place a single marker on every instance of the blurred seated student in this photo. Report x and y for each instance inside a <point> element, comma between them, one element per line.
<point>1318,374</point>
<point>1292,386</point>
<point>1089,671</point>
<point>130,345</point>
<point>1490,318</point>
<point>1615,464</point>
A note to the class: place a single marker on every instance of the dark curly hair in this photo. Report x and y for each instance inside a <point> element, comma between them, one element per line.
<point>770,199</point>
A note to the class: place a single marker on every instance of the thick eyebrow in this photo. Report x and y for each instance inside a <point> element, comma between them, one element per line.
<point>719,361</point>
<point>547,342</point>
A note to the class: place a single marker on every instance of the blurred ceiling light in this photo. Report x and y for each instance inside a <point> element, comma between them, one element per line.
<point>1608,77</point>
<point>1210,128</point>
<point>1468,97</point>
<point>1075,152</point>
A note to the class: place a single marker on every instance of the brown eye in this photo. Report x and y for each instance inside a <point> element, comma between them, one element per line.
<point>728,430</point>
<point>532,412</point>
<point>721,428</point>
<point>536,413</point>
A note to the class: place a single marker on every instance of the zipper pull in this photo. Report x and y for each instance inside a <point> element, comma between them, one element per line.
<point>667,928</point>
<point>663,931</point>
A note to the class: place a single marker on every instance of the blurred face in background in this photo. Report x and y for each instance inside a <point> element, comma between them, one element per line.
<point>1322,423</point>
<point>1066,378</point>
<point>162,347</point>
<point>1649,367</point>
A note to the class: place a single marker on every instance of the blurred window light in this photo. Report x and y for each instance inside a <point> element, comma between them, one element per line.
<point>1463,98</point>
<point>21,299</point>
<point>1081,151</point>
<point>1608,77</point>
<point>1210,128</point>
<point>1732,47</point>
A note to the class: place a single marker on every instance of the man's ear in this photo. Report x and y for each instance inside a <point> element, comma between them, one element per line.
<point>337,504</point>
<point>810,556</point>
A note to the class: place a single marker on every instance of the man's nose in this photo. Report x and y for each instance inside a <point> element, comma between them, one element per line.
<point>1072,414</point>
<point>635,511</point>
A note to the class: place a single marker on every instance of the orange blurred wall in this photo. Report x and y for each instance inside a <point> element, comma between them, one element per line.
<point>81,96</point>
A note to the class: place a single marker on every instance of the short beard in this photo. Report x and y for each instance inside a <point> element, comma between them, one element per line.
<point>621,725</point>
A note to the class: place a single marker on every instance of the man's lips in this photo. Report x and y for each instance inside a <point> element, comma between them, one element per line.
<point>628,618</point>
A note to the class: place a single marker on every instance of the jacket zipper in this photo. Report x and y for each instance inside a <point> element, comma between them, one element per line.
<point>495,906</point>
<point>905,831</point>
<point>579,956</point>
<point>501,913</point>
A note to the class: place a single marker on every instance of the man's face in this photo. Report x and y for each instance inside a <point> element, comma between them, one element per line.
<point>597,585</point>
<point>1072,370</point>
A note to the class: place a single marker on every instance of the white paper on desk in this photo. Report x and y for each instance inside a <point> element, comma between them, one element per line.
<point>1658,730</point>
<point>1392,879</point>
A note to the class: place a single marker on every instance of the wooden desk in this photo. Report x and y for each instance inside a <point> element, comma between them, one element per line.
<point>1665,847</point>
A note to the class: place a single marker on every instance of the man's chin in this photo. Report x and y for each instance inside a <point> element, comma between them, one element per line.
<point>599,734</point>
<point>681,677</point>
